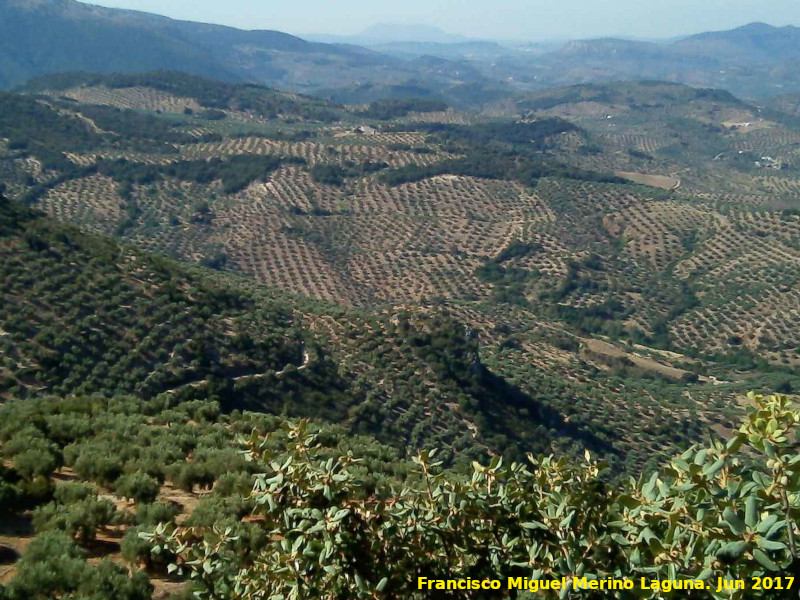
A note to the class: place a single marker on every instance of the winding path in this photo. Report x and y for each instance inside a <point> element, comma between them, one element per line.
<point>201,382</point>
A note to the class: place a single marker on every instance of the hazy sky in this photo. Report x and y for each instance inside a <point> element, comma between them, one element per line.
<point>510,19</point>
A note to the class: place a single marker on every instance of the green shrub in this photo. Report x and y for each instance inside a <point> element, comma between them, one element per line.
<point>713,512</point>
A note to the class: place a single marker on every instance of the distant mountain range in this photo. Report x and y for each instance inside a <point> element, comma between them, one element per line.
<point>45,36</point>
<point>387,33</point>
<point>754,44</point>
<point>39,37</point>
<point>756,60</point>
<point>408,41</point>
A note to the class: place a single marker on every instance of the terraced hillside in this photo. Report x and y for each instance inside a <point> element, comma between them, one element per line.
<point>363,212</point>
<point>84,316</point>
<point>183,263</point>
<point>495,283</point>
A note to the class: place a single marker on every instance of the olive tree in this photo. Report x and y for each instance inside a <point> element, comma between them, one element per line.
<point>138,486</point>
<point>77,511</point>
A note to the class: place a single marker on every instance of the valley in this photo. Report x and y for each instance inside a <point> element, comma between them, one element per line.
<point>332,337</point>
<point>549,272</point>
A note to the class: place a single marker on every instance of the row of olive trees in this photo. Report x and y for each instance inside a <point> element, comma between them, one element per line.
<point>728,510</point>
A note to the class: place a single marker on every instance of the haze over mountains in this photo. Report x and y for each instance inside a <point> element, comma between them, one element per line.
<point>46,36</point>
<point>386,33</point>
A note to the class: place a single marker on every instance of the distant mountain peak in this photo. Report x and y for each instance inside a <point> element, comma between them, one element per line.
<point>760,27</point>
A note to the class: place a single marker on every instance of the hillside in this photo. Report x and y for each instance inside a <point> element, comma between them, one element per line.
<point>55,36</point>
<point>192,269</point>
<point>754,61</point>
<point>126,323</point>
<point>753,44</point>
<point>45,37</point>
<point>573,281</point>
<point>318,220</point>
<point>48,36</point>
<point>155,361</point>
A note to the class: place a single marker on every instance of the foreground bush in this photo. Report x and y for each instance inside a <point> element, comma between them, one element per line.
<point>728,510</point>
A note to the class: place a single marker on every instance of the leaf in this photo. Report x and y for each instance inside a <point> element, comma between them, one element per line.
<point>770,526</point>
<point>714,468</point>
<point>733,550</point>
<point>705,574</point>
<point>761,479</point>
<point>680,464</point>
<point>565,590</point>
<point>734,521</point>
<point>765,561</point>
<point>700,457</point>
<point>769,449</point>
<point>647,535</point>
<point>751,511</point>
<point>565,522</point>
<point>649,488</point>
<point>341,514</point>
<point>770,545</point>
<point>619,539</point>
<point>382,584</point>
<point>360,582</point>
<point>533,525</point>
<point>735,443</point>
